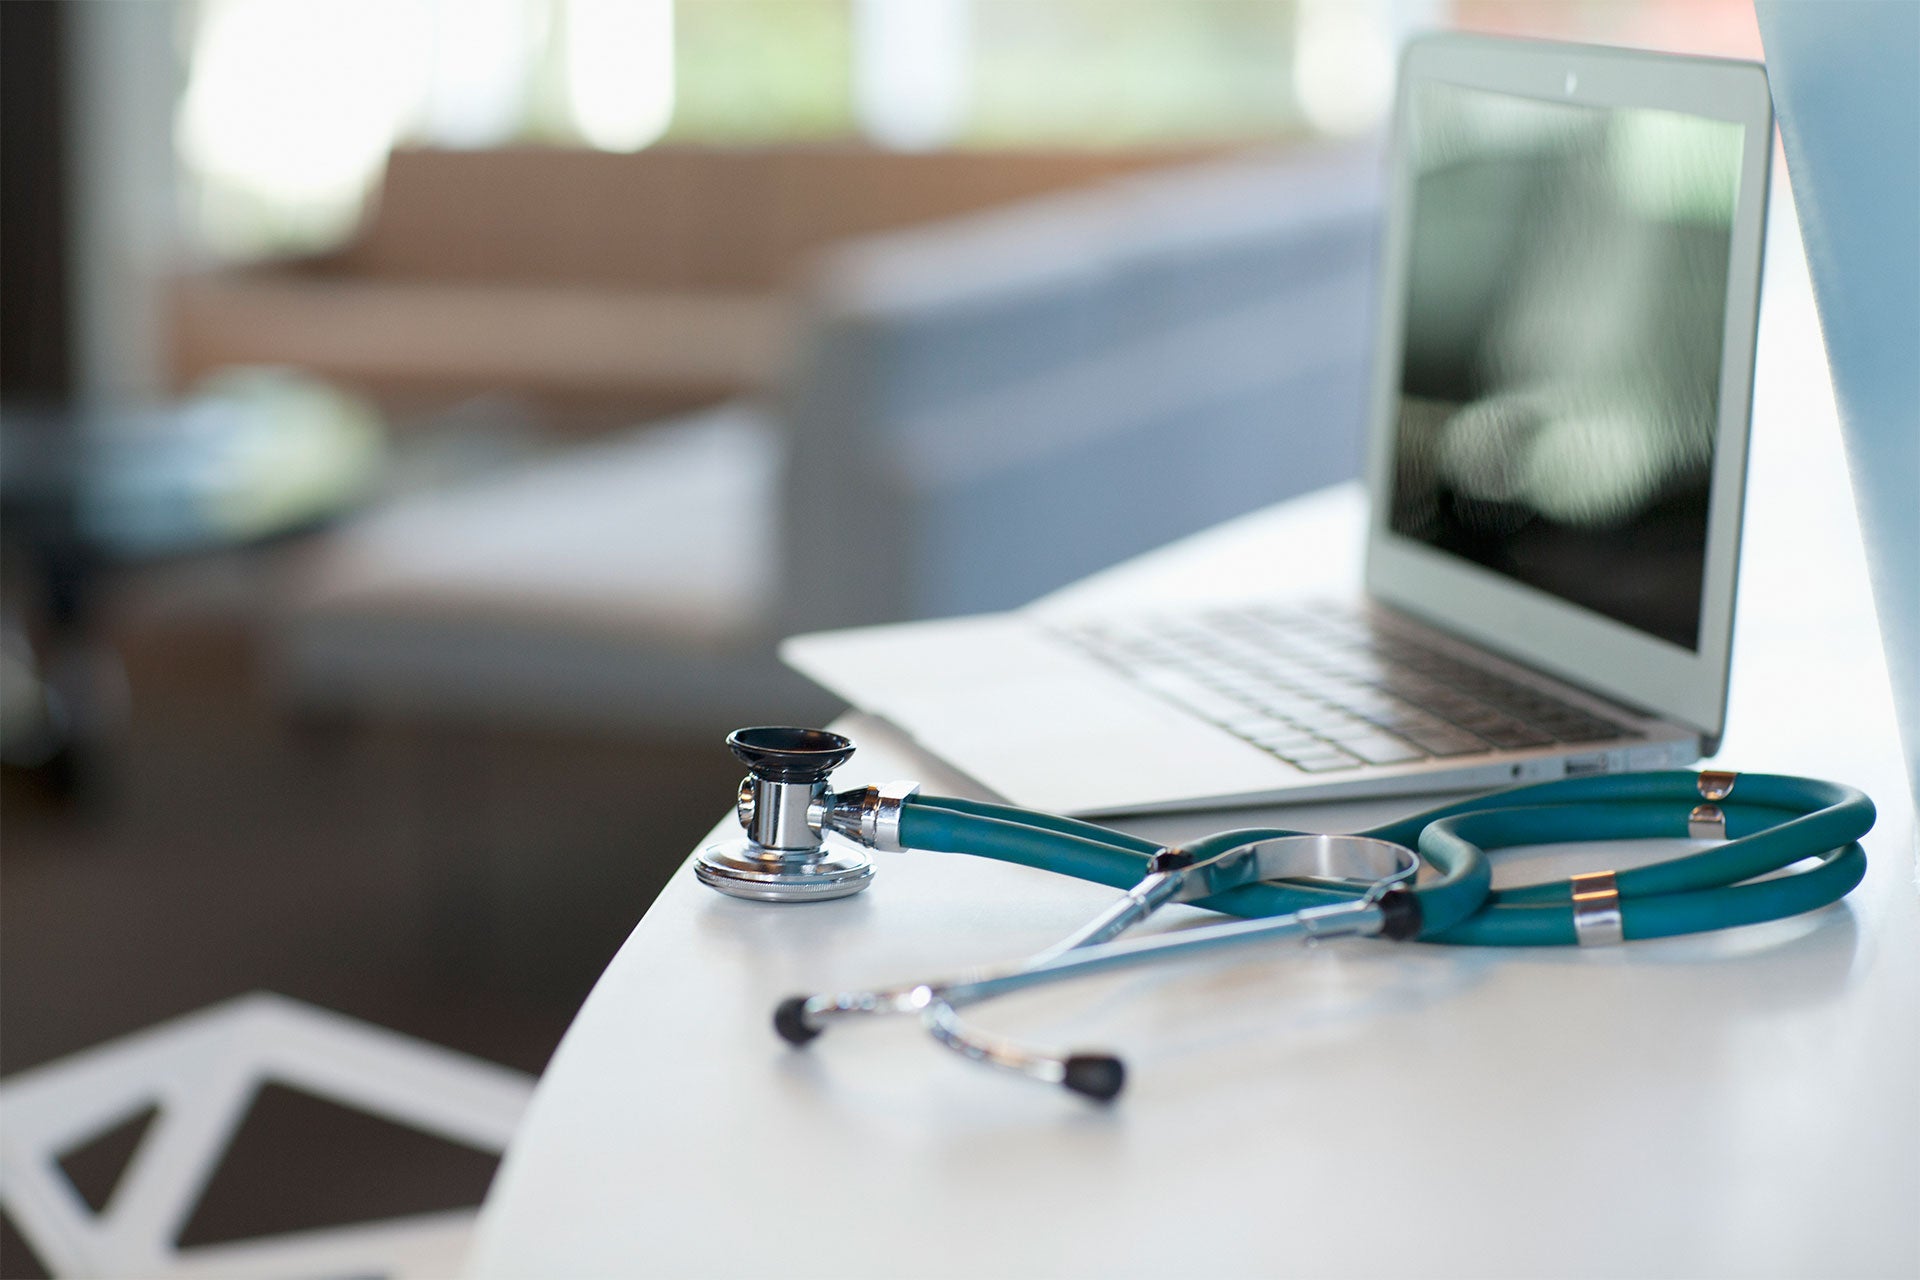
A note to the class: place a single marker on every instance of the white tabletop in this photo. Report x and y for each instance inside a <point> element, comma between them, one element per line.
<point>1746,1103</point>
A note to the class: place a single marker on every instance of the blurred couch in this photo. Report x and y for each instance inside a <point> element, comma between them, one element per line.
<point>979,409</point>
<point>648,282</point>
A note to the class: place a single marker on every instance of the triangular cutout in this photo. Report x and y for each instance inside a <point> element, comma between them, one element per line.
<point>18,1261</point>
<point>95,1166</point>
<point>300,1162</point>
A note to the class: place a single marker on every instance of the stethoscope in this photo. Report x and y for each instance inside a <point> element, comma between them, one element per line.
<point>1286,884</point>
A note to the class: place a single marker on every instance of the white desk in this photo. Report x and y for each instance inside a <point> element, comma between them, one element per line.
<point>1738,1104</point>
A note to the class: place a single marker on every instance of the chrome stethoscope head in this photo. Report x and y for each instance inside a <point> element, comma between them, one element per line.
<point>788,814</point>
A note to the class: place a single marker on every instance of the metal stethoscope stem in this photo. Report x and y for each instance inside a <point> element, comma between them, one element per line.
<point>1375,868</point>
<point>1096,1075</point>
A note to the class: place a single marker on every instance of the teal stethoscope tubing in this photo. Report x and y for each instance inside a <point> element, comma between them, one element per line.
<point>1774,821</point>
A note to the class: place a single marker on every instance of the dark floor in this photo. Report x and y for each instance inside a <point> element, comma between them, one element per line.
<point>462,885</point>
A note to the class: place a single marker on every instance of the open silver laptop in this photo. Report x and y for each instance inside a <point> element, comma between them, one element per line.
<point>1556,464</point>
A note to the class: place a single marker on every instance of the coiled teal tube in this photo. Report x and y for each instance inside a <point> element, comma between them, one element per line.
<point>1776,821</point>
<point>1112,858</point>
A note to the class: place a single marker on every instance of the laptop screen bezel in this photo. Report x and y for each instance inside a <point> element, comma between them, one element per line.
<point>1487,607</point>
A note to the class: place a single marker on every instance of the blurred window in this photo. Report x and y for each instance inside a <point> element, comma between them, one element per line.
<point>754,71</point>
<point>289,109</point>
<point>620,71</point>
<point>291,106</point>
<point>1133,71</point>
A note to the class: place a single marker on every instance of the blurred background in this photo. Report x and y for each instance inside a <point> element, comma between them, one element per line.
<point>419,420</point>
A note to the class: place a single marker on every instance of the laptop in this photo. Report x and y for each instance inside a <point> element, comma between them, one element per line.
<point>1556,462</point>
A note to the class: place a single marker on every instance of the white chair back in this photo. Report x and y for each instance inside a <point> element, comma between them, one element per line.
<point>202,1071</point>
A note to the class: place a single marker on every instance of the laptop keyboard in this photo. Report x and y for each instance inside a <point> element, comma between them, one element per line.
<point>1325,691</point>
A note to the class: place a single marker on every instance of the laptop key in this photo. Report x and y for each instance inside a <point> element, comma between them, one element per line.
<point>1278,733</point>
<point>1445,741</point>
<point>1381,748</point>
<point>1512,734</point>
<point>1320,718</point>
<point>1290,683</point>
<point>1320,761</point>
<point>1177,686</point>
<point>1402,723</point>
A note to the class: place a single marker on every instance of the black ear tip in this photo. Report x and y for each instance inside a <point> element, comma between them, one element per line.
<point>786,753</point>
<point>790,1020</point>
<point>1095,1075</point>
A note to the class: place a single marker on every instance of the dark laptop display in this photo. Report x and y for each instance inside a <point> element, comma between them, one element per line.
<point>1565,306</point>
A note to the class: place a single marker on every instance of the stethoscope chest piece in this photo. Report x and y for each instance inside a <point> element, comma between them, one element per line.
<point>735,869</point>
<point>787,810</point>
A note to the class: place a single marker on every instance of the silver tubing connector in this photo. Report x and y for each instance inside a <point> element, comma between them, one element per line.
<point>1717,784</point>
<point>1596,909</point>
<point>1707,822</point>
<point>871,815</point>
<point>889,804</point>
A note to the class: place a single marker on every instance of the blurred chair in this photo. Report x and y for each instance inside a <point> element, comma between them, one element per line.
<point>202,1072</point>
<point>991,407</point>
<point>254,455</point>
<point>627,583</point>
<point>648,282</point>
<point>983,409</point>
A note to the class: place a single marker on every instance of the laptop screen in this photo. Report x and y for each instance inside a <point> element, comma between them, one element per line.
<point>1564,318</point>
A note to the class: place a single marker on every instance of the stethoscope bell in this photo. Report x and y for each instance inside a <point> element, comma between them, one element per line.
<point>787,811</point>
